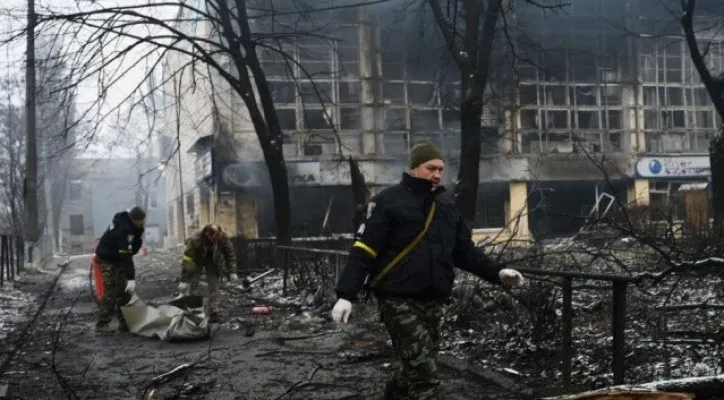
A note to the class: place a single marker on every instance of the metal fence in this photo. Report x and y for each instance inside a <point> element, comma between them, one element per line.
<point>306,268</point>
<point>255,255</point>
<point>11,257</point>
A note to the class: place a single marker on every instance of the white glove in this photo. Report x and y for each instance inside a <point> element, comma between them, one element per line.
<point>341,311</point>
<point>182,287</point>
<point>510,277</point>
<point>131,287</point>
<point>234,277</point>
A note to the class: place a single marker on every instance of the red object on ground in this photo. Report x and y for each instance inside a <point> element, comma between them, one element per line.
<point>261,310</point>
<point>144,251</point>
<point>98,278</point>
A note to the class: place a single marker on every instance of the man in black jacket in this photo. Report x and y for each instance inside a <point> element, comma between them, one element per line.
<point>412,292</point>
<point>116,248</point>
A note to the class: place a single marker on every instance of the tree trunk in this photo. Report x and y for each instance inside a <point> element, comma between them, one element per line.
<point>466,188</point>
<point>360,192</point>
<point>716,157</point>
<point>280,189</point>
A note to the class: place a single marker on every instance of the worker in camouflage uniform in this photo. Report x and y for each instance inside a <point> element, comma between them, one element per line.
<point>116,248</point>
<point>208,250</point>
<point>416,223</point>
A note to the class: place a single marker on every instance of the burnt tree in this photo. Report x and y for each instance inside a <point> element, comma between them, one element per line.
<point>714,83</point>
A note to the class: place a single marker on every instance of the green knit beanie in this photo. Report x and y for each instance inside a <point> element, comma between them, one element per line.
<point>424,152</point>
<point>137,214</point>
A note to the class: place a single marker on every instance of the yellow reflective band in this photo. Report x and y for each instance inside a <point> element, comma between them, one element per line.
<point>123,251</point>
<point>366,248</point>
<point>187,259</point>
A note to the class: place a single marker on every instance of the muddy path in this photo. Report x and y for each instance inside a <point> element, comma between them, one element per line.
<point>291,354</point>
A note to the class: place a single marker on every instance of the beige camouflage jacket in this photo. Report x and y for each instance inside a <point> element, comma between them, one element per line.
<point>201,253</point>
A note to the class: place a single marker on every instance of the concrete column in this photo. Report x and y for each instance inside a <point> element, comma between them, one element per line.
<point>225,212</point>
<point>369,78</point>
<point>638,193</point>
<point>517,211</point>
<point>246,215</point>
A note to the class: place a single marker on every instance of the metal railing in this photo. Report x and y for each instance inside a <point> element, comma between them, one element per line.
<point>12,257</point>
<point>336,258</point>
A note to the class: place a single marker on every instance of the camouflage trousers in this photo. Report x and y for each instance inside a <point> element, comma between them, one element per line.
<point>115,296</point>
<point>212,281</point>
<point>414,327</point>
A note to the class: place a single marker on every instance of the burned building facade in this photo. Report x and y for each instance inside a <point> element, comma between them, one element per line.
<point>603,99</point>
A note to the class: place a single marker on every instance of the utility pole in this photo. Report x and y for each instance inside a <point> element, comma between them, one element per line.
<point>31,155</point>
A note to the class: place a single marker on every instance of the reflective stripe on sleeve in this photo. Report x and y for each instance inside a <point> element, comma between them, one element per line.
<point>366,248</point>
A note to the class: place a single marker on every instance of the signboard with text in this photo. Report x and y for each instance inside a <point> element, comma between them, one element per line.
<point>673,167</point>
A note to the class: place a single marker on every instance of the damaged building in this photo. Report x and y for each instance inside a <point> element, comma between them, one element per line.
<point>604,100</point>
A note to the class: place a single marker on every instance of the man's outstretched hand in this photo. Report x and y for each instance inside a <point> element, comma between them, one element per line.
<point>341,311</point>
<point>511,277</point>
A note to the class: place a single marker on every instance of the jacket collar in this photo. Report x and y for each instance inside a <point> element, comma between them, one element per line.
<point>419,185</point>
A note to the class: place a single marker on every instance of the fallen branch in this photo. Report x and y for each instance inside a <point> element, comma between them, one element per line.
<point>300,383</point>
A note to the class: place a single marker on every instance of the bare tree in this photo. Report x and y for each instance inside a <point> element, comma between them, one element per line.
<point>12,145</point>
<point>229,46</point>
<point>700,41</point>
<point>472,29</point>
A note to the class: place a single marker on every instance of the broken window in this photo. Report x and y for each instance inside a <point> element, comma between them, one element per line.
<point>395,143</point>
<point>392,65</point>
<point>700,141</point>
<point>675,142</point>
<point>675,96</point>
<point>701,97</point>
<point>701,119</point>
<point>77,226</point>
<point>588,120</point>
<point>613,142</point>
<point>678,119</point>
<point>349,92</point>
<point>586,96</point>
<point>394,92</point>
<point>530,142</point>
<point>555,95</point>
<point>654,142</point>
<point>421,93</point>
<point>349,118</point>
<point>611,95</point>
<point>318,119</point>
<point>315,61</point>
<point>647,66</point>
<point>588,142</point>
<point>395,119</point>
<point>315,92</point>
<point>287,119</point>
<point>275,64</point>
<point>613,119</point>
<point>317,145</point>
<point>283,92</point>
<point>424,120</point>
<point>528,95</point>
<point>529,119</point>
<point>347,35</point>
<point>649,96</point>
<point>651,119</point>
<point>557,120</point>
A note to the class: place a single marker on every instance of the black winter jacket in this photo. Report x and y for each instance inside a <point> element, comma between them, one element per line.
<point>393,219</point>
<point>120,242</point>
